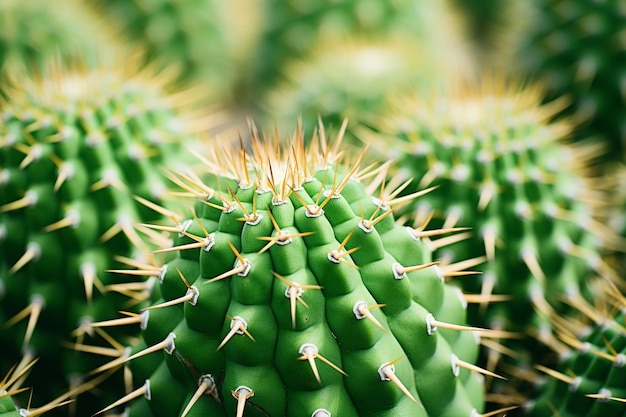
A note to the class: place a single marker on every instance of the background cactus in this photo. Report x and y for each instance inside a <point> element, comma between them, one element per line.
<point>76,148</point>
<point>579,49</point>
<point>590,379</point>
<point>33,32</point>
<point>207,41</point>
<point>354,78</point>
<point>321,304</point>
<point>291,31</point>
<point>529,195</point>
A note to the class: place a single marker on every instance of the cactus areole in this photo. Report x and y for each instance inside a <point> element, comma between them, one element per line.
<point>289,290</point>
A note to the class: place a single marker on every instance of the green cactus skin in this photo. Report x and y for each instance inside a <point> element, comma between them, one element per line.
<point>272,293</point>
<point>528,194</point>
<point>591,380</point>
<point>75,149</point>
<point>205,40</point>
<point>579,48</point>
<point>7,408</point>
<point>33,32</point>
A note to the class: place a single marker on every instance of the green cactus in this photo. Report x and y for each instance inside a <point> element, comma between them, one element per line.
<point>293,29</point>
<point>292,291</point>
<point>205,40</point>
<point>528,194</point>
<point>13,398</point>
<point>33,32</point>
<point>591,380</point>
<point>354,78</point>
<point>578,48</point>
<point>76,148</point>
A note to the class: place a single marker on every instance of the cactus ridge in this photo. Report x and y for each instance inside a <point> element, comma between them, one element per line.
<point>529,194</point>
<point>79,153</point>
<point>291,291</point>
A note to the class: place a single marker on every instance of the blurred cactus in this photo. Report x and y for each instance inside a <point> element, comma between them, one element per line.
<point>34,32</point>
<point>79,152</point>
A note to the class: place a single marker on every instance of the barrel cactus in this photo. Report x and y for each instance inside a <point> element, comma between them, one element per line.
<point>578,47</point>
<point>293,29</point>
<point>290,290</point>
<point>205,41</point>
<point>354,77</point>
<point>33,32</point>
<point>80,153</point>
<point>590,381</point>
<point>530,196</point>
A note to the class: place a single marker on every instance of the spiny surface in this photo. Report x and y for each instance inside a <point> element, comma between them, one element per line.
<point>293,29</point>
<point>591,380</point>
<point>32,32</point>
<point>206,40</point>
<point>76,148</point>
<point>579,48</point>
<point>290,290</point>
<point>528,194</point>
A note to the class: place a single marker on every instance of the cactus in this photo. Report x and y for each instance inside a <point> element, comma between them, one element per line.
<point>294,29</point>
<point>79,153</point>
<point>9,389</point>
<point>590,381</point>
<point>12,395</point>
<point>290,290</point>
<point>354,77</point>
<point>33,32</point>
<point>578,47</point>
<point>206,40</point>
<point>529,195</point>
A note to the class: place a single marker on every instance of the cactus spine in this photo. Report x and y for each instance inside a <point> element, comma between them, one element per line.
<point>80,151</point>
<point>508,172</point>
<point>590,379</point>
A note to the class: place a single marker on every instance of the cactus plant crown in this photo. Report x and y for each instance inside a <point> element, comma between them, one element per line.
<point>79,151</point>
<point>292,291</point>
<point>509,172</point>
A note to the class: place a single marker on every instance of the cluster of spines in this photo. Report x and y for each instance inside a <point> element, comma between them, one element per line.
<point>295,217</point>
<point>578,48</point>
<point>34,32</point>
<point>12,401</point>
<point>590,378</point>
<point>74,172</point>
